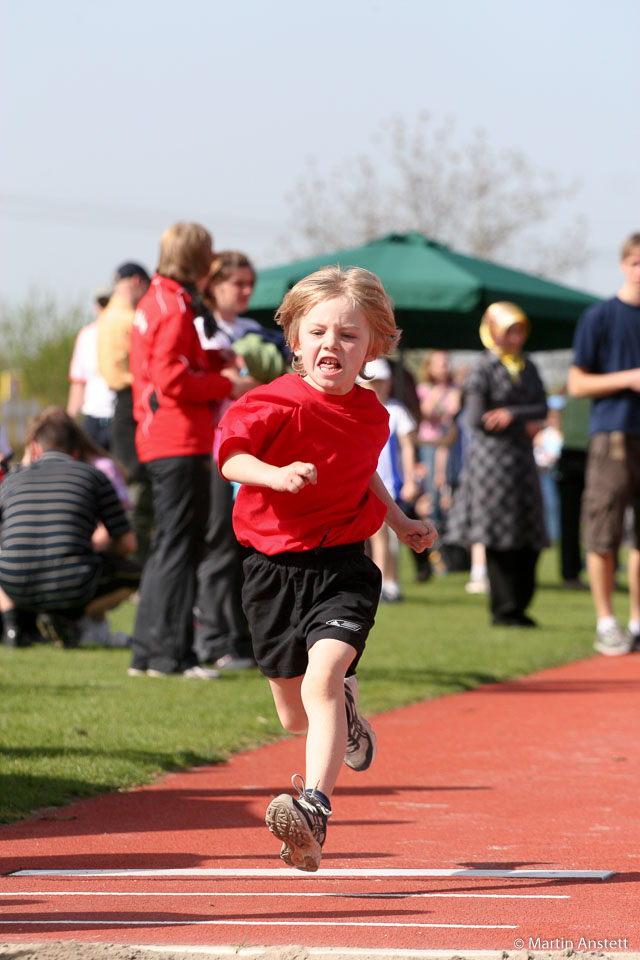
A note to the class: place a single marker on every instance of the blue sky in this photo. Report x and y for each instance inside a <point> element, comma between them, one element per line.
<point>121,118</point>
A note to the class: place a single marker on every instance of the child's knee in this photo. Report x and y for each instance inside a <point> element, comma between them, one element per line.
<point>293,721</point>
<point>295,724</point>
<point>321,686</point>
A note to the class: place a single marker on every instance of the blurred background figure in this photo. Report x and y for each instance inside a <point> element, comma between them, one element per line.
<point>175,387</point>
<point>89,394</point>
<point>498,502</point>
<point>396,468</point>
<point>131,282</point>
<point>93,627</point>
<point>570,472</point>
<point>439,397</point>
<point>606,368</point>
<point>6,452</point>
<point>222,632</point>
<point>66,542</point>
<point>547,445</point>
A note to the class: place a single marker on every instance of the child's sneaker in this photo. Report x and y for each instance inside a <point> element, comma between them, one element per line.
<point>634,638</point>
<point>361,740</point>
<point>613,641</point>
<point>301,823</point>
<point>477,585</point>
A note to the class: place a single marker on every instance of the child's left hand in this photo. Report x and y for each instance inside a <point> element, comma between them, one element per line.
<point>420,535</point>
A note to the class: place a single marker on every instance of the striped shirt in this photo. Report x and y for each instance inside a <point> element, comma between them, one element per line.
<point>49,512</point>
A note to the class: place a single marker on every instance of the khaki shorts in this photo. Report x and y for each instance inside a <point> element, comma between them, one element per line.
<point>612,484</point>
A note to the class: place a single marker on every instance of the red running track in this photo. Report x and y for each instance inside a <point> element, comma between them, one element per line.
<point>539,774</point>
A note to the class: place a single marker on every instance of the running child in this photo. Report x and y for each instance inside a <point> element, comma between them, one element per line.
<point>305,449</point>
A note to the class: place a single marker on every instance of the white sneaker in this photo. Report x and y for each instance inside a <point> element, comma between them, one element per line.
<point>200,673</point>
<point>477,585</point>
<point>391,592</point>
<point>613,641</point>
<point>301,823</point>
<point>361,739</point>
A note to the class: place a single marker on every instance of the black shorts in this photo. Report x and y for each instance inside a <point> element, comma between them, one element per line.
<point>293,599</point>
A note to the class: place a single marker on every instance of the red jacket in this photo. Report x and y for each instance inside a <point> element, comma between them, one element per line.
<point>174,380</point>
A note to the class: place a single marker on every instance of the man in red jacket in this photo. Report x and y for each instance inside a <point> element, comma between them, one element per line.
<point>175,387</point>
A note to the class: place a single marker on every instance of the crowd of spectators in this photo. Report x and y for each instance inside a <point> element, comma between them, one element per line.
<point>120,495</point>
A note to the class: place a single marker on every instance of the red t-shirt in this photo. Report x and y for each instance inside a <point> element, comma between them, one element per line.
<point>289,420</point>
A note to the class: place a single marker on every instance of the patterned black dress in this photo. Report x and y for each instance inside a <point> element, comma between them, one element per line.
<point>498,502</point>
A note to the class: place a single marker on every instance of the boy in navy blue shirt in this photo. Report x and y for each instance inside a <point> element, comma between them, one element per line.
<point>606,367</point>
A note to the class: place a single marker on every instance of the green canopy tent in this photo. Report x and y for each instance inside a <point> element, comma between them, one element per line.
<point>439,295</point>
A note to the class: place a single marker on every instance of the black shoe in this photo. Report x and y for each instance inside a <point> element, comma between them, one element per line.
<point>526,621</point>
<point>15,637</point>
<point>514,620</point>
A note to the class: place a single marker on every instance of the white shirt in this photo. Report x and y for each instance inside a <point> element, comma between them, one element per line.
<point>99,400</point>
<point>226,333</point>
<point>390,462</point>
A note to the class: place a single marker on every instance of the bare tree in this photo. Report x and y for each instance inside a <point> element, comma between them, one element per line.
<point>478,200</point>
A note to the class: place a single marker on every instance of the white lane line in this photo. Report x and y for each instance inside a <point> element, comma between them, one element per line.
<point>253,923</point>
<point>260,873</point>
<point>353,896</point>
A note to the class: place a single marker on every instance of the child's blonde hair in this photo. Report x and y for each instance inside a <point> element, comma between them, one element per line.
<point>185,252</point>
<point>362,288</point>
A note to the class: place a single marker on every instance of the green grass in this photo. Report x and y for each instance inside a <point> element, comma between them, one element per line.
<point>73,724</point>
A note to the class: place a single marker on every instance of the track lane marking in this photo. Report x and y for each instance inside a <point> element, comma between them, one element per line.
<point>268,873</point>
<point>285,893</point>
<point>254,923</point>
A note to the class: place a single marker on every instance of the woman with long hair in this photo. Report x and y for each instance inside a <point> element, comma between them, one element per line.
<point>222,633</point>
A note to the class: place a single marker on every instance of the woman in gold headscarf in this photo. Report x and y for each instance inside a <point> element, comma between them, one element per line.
<point>498,502</point>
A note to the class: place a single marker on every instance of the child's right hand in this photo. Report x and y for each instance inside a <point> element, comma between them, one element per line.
<point>293,477</point>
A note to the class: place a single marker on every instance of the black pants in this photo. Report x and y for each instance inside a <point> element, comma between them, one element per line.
<point>122,433</point>
<point>512,581</point>
<point>163,635</point>
<point>221,626</point>
<point>570,478</point>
